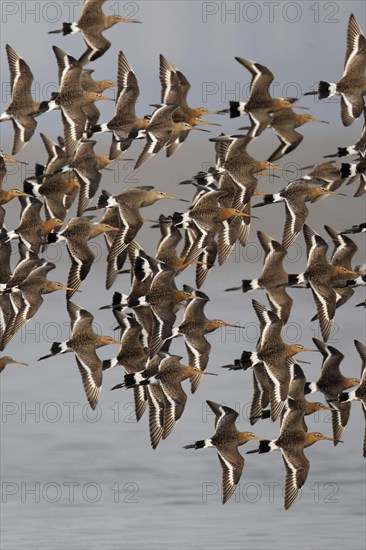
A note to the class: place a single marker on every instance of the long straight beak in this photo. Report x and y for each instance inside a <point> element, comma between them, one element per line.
<point>244,215</point>
<point>110,229</point>
<point>318,120</point>
<point>208,122</point>
<point>214,112</point>
<point>325,408</point>
<point>20,363</point>
<point>231,325</point>
<point>210,373</point>
<point>121,158</point>
<point>69,288</point>
<point>352,273</point>
<point>201,129</point>
<point>309,349</point>
<point>8,158</point>
<point>276,167</point>
<point>264,173</point>
<point>176,198</point>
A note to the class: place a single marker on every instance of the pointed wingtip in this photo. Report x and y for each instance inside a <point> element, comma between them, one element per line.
<point>252,451</point>
<point>118,386</point>
<point>232,288</point>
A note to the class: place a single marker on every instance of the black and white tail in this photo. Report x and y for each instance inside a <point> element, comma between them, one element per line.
<point>326,89</point>
<point>265,446</point>
<point>348,169</point>
<point>344,397</point>
<point>67,28</point>
<point>137,379</point>
<point>310,387</point>
<point>247,360</point>
<point>293,279</point>
<point>56,349</point>
<point>137,302</point>
<point>31,187</point>
<point>142,268</point>
<point>270,198</point>
<point>201,444</point>
<point>52,237</point>
<point>110,363</point>
<point>237,108</point>
<point>346,151</point>
<point>249,284</point>
<point>105,200</point>
<point>99,128</point>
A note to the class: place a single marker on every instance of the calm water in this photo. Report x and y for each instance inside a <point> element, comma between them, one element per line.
<point>76,479</point>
